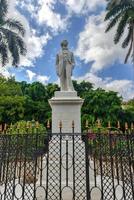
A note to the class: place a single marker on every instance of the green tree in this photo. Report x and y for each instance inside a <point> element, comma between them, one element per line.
<point>12,101</point>
<point>9,87</point>
<point>23,127</point>
<point>11,108</point>
<point>24,101</point>
<point>121,13</point>
<point>36,91</point>
<point>11,37</point>
<point>128,112</point>
<point>51,88</point>
<point>39,110</point>
<point>102,105</point>
<point>82,87</point>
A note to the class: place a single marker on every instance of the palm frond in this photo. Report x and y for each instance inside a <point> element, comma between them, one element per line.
<point>112,3</point>
<point>129,52</point>
<point>128,38</point>
<point>11,36</point>
<point>121,28</point>
<point>22,46</point>
<point>116,10</point>
<point>113,22</point>
<point>14,50</point>
<point>15,25</point>
<point>3,9</point>
<point>15,44</point>
<point>3,53</point>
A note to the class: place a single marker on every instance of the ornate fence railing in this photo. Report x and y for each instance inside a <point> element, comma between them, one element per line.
<point>111,157</point>
<point>67,166</point>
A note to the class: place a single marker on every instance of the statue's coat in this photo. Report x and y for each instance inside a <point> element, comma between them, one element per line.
<point>64,67</point>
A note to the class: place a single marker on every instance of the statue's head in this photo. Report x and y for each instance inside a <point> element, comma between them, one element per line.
<point>64,44</point>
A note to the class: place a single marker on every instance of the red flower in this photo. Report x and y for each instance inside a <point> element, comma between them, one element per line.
<point>91,136</point>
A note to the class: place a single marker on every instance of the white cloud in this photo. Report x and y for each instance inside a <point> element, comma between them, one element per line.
<point>83,6</point>
<point>35,43</point>
<point>42,79</point>
<point>45,15</point>
<point>43,11</point>
<point>48,16</point>
<point>32,76</point>
<point>125,88</point>
<point>4,72</point>
<point>94,45</point>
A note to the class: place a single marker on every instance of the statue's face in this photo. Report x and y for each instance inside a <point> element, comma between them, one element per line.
<point>64,44</point>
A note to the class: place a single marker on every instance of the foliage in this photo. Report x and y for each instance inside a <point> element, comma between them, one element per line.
<point>102,105</point>
<point>23,127</point>
<point>12,101</point>
<point>11,108</point>
<point>121,13</point>
<point>82,87</point>
<point>12,33</point>
<point>112,3</point>
<point>24,101</point>
<point>105,145</point>
<point>127,114</point>
<point>27,139</point>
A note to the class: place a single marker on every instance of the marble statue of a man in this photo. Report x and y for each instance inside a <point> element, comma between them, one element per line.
<point>64,67</point>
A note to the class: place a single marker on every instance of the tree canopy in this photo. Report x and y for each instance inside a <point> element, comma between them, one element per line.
<point>24,101</point>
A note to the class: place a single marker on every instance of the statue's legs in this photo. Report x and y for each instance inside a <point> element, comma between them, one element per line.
<point>69,83</point>
<point>63,82</point>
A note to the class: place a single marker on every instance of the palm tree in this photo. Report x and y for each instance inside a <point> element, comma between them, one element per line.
<point>11,37</point>
<point>121,12</point>
<point>112,3</point>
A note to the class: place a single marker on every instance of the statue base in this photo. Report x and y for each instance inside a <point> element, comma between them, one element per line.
<point>66,107</point>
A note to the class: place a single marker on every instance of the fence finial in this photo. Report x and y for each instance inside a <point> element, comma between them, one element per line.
<point>109,125</point>
<point>118,125</point>
<point>126,126</point>
<point>48,124</point>
<point>60,124</point>
<point>37,124</point>
<point>73,124</point>
<point>132,126</point>
<point>98,123</point>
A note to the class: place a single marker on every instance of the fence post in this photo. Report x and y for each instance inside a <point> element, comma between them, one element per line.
<point>85,137</point>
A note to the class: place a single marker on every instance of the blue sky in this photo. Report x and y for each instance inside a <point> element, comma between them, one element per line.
<point>81,22</point>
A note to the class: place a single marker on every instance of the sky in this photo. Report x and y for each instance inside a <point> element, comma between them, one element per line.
<point>81,22</point>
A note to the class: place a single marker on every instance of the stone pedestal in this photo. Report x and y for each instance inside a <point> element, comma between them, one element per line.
<point>66,107</point>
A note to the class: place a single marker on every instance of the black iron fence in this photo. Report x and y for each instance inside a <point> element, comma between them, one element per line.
<point>67,166</point>
<point>111,157</point>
